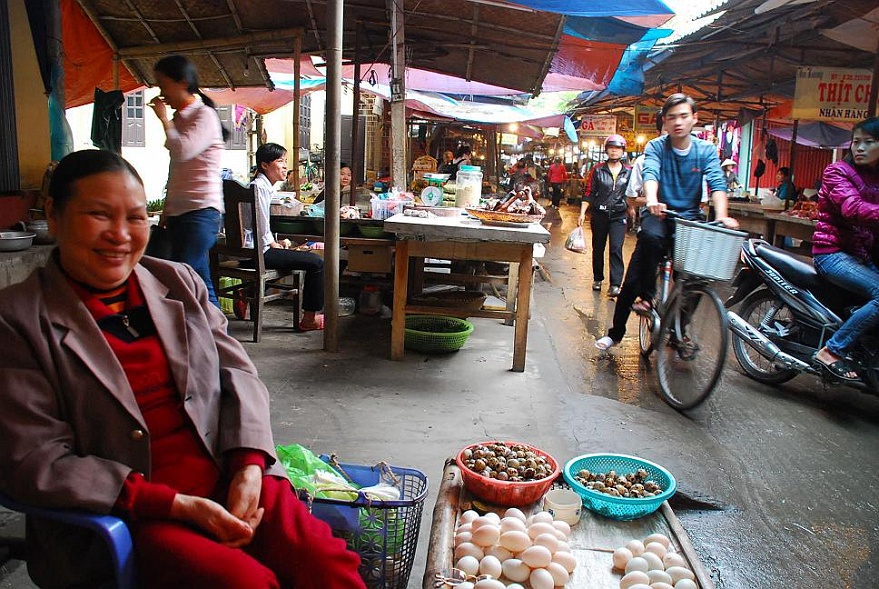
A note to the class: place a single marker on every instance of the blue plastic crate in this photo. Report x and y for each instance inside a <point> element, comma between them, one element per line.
<point>383,533</point>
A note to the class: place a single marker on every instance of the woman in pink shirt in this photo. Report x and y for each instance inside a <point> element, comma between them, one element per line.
<point>195,138</point>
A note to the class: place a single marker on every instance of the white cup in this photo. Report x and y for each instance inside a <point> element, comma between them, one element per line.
<point>564,505</point>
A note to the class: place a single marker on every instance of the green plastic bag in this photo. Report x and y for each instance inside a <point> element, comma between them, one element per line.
<point>308,472</point>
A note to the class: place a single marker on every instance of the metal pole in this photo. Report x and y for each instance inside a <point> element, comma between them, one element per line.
<point>297,105</point>
<point>793,154</point>
<point>332,155</point>
<point>398,96</point>
<point>356,162</point>
<point>874,86</point>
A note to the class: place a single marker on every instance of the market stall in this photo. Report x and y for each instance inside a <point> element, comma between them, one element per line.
<point>791,226</point>
<point>461,238</point>
<point>752,218</point>
<point>773,225</point>
<point>601,550</point>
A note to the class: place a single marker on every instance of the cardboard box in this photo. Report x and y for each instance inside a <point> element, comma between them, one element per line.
<point>370,258</point>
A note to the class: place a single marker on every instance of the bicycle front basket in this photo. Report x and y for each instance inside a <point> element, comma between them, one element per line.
<point>706,250</point>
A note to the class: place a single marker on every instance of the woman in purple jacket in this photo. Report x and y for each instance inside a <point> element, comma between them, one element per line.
<point>845,236</point>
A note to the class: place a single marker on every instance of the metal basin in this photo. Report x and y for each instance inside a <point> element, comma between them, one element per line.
<point>13,241</point>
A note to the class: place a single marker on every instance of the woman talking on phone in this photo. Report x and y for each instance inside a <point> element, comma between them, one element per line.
<point>195,138</point>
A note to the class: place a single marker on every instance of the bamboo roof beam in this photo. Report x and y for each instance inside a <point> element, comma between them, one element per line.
<point>241,41</point>
<point>92,16</point>
<point>216,62</point>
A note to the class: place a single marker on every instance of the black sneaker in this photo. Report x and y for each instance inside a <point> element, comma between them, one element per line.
<point>596,285</point>
<point>614,291</point>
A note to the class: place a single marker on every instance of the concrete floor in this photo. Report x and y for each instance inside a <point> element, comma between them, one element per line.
<point>569,401</point>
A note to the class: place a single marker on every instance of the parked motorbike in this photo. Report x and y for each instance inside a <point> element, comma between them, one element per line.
<point>787,313</point>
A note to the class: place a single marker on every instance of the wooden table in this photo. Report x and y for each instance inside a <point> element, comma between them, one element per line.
<point>592,536</point>
<point>462,238</point>
<point>752,218</point>
<point>794,227</point>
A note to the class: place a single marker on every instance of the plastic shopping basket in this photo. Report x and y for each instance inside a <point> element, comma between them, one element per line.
<point>707,250</point>
<point>383,533</point>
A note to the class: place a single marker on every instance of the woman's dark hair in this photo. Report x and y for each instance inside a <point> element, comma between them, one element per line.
<point>870,127</point>
<point>784,171</point>
<point>462,151</point>
<point>343,165</point>
<point>180,69</point>
<point>82,164</point>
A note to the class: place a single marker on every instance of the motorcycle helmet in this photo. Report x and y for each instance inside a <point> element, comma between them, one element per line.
<point>614,141</point>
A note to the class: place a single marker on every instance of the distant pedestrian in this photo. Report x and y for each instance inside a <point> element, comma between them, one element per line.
<point>462,158</point>
<point>557,176</point>
<point>606,203</point>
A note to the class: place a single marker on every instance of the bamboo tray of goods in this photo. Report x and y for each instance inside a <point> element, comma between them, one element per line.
<point>593,539</point>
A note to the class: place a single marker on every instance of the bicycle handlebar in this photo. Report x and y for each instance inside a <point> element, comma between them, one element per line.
<point>675,215</point>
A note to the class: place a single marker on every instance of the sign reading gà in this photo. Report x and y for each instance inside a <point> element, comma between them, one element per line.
<point>831,94</point>
<point>597,126</point>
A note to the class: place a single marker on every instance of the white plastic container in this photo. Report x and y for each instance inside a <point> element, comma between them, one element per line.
<point>564,505</point>
<point>468,186</point>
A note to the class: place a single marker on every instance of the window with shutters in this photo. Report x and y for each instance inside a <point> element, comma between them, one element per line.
<point>237,134</point>
<point>305,122</point>
<point>132,120</point>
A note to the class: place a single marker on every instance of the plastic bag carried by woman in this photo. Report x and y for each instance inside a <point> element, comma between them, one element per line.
<point>576,241</point>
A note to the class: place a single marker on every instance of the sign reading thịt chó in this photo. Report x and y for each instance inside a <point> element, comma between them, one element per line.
<point>831,94</point>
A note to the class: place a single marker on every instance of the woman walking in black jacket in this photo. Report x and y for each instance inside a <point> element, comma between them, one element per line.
<point>606,201</point>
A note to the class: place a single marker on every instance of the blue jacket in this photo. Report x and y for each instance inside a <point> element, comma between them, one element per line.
<point>680,177</point>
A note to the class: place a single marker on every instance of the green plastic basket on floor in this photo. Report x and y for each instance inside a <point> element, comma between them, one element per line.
<point>436,333</point>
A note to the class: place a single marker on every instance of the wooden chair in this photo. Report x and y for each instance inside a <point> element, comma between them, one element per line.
<point>231,259</point>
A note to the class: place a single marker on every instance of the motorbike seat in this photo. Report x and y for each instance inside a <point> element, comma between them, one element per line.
<point>797,271</point>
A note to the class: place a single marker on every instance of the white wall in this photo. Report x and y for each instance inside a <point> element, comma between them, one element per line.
<point>151,161</point>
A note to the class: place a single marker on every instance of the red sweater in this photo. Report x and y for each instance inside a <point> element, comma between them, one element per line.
<point>179,461</point>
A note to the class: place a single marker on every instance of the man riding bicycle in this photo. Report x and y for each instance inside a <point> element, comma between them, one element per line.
<point>676,166</point>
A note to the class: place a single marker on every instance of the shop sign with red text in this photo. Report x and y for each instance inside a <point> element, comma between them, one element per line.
<point>597,126</point>
<point>831,94</point>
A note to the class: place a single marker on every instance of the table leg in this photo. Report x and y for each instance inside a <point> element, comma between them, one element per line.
<point>512,290</point>
<point>523,309</point>
<point>401,283</point>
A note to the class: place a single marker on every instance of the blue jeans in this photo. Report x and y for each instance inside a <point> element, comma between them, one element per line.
<point>855,276</point>
<point>192,236</point>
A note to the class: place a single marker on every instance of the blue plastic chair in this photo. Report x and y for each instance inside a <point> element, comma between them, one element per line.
<point>112,529</point>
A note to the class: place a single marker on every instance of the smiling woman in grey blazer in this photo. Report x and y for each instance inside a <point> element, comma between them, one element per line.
<point>122,393</point>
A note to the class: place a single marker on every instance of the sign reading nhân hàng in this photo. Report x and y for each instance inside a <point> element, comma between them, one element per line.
<point>831,94</point>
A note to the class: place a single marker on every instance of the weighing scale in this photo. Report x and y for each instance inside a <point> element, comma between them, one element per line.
<point>432,195</point>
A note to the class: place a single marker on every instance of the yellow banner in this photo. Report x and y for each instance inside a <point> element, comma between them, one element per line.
<point>831,94</point>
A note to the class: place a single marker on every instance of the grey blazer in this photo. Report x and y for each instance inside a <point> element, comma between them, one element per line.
<point>70,428</point>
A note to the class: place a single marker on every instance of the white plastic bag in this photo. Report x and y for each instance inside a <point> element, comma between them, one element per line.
<point>576,241</point>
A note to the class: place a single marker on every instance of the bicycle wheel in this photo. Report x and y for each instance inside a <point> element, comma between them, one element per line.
<point>648,330</point>
<point>692,347</point>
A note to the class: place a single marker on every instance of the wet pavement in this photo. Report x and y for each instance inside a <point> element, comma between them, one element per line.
<point>776,485</point>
